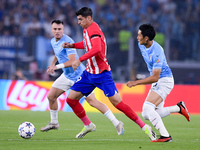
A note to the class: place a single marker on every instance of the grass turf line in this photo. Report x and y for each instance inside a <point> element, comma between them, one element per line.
<point>186,135</point>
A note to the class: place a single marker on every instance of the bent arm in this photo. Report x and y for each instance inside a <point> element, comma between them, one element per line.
<point>68,63</point>
<point>96,48</point>
<point>79,45</point>
<point>151,79</point>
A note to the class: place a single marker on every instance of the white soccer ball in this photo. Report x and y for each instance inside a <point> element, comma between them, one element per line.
<point>26,130</point>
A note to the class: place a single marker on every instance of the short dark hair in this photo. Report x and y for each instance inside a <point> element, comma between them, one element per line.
<point>57,21</point>
<point>148,30</point>
<point>84,11</point>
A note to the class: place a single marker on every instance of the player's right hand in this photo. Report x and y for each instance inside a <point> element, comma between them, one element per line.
<point>131,83</point>
<point>50,70</point>
<point>67,45</point>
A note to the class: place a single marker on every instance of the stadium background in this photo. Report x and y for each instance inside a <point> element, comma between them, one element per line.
<point>25,44</point>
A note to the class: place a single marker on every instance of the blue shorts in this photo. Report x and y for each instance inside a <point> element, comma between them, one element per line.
<point>87,82</point>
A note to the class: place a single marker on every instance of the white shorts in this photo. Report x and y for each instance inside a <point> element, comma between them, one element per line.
<point>63,83</point>
<point>163,87</point>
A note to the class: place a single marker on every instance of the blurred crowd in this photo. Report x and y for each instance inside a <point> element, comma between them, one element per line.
<point>176,20</point>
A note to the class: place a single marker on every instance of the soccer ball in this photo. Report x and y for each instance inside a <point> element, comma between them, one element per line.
<point>26,130</point>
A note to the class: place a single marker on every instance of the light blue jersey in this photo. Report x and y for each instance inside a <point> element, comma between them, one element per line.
<point>62,56</point>
<point>155,59</point>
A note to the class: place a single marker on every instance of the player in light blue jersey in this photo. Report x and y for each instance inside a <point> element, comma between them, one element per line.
<point>162,82</point>
<point>155,59</point>
<point>65,57</point>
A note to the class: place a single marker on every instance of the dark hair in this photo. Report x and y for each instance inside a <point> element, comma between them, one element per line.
<point>57,22</point>
<point>84,11</point>
<point>148,30</point>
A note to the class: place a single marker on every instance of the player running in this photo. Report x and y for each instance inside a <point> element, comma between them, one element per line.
<point>162,82</point>
<point>97,73</point>
<point>65,57</point>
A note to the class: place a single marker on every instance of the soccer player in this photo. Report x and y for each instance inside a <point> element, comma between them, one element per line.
<point>65,57</point>
<point>97,74</point>
<point>162,82</point>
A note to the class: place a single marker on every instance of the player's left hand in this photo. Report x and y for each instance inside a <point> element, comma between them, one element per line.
<point>131,83</point>
<point>75,64</point>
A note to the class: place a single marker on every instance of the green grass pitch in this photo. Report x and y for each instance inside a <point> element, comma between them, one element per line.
<point>186,135</point>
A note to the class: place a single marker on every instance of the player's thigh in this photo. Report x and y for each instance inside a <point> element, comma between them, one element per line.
<point>54,93</point>
<point>63,83</point>
<point>160,90</point>
<point>154,98</point>
<point>75,95</point>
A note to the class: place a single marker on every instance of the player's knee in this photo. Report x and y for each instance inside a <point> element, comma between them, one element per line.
<point>91,102</point>
<point>51,97</point>
<point>147,107</point>
<point>71,102</point>
<point>115,99</point>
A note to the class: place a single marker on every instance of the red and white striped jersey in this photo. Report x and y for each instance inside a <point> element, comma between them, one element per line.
<point>96,49</point>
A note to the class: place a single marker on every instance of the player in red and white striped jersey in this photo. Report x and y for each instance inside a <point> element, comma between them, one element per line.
<point>97,74</point>
<point>94,44</point>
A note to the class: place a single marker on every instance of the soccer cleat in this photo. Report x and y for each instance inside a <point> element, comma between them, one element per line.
<point>86,130</point>
<point>50,126</point>
<point>183,110</point>
<point>163,139</point>
<point>150,132</point>
<point>120,128</point>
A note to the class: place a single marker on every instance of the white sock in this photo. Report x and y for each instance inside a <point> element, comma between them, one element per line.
<point>154,117</point>
<point>157,122</point>
<point>54,116</point>
<point>173,109</point>
<point>111,117</point>
<point>163,112</point>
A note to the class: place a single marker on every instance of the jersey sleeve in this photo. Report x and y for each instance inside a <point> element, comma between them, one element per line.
<point>96,48</point>
<point>79,45</point>
<point>70,50</point>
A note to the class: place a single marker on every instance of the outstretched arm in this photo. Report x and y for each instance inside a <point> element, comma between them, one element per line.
<point>68,63</point>
<point>79,45</point>
<point>148,80</point>
<point>96,48</point>
<point>49,68</point>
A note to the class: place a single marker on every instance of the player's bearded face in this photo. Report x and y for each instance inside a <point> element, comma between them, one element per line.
<point>57,30</point>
